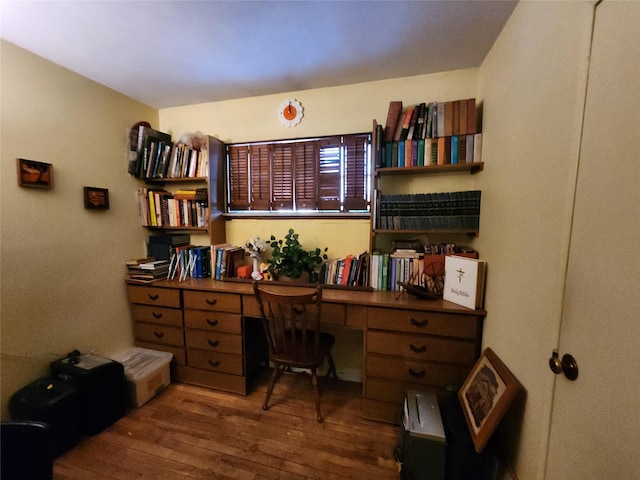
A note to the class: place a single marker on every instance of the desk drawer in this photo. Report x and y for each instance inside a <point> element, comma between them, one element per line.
<point>214,341</point>
<point>162,334</point>
<point>421,347</point>
<point>413,371</point>
<point>430,323</point>
<point>214,321</point>
<point>165,316</point>
<point>166,297</point>
<point>222,302</point>
<point>215,361</point>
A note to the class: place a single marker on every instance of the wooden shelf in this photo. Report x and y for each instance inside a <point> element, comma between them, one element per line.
<point>425,230</point>
<point>432,169</point>
<point>175,180</point>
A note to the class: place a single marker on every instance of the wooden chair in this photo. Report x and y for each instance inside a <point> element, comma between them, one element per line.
<point>291,324</point>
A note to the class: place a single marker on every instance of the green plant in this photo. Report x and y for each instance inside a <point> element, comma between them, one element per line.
<point>290,259</point>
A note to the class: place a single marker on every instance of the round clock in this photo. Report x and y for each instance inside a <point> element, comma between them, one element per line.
<point>290,112</point>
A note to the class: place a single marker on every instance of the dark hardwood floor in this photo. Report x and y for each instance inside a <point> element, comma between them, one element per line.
<point>197,433</point>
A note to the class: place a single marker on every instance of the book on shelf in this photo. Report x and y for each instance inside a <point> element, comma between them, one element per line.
<point>464,281</point>
<point>393,117</point>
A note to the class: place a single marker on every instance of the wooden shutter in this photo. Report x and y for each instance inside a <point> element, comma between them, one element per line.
<point>356,178</point>
<point>306,175</point>
<point>238,178</point>
<point>329,173</point>
<point>282,177</point>
<point>260,176</point>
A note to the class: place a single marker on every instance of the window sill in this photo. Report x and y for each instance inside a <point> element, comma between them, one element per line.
<point>289,215</point>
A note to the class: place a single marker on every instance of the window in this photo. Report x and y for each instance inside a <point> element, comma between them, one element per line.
<point>307,176</point>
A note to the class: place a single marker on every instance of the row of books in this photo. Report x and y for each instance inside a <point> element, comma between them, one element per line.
<point>452,150</point>
<point>351,271</point>
<point>153,155</point>
<point>183,208</point>
<point>225,258</point>
<point>429,211</point>
<point>430,120</point>
<point>415,268</point>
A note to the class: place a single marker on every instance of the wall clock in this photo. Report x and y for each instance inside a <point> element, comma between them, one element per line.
<point>290,112</point>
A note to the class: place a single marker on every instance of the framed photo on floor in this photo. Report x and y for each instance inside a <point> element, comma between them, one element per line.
<point>486,395</point>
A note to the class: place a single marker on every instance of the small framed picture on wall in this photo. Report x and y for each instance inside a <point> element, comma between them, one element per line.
<point>34,174</point>
<point>96,198</point>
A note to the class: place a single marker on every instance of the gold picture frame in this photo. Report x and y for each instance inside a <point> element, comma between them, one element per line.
<point>34,174</point>
<point>486,395</point>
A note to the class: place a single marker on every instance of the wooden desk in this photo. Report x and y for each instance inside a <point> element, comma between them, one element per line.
<point>213,330</point>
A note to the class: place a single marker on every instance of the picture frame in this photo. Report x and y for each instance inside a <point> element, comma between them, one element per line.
<point>486,395</point>
<point>34,174</point>
<point>96,198</point>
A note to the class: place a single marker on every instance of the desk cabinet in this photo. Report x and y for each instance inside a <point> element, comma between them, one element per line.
<point>157,320</point>
<point>415,350</point>
<point>214,331</point>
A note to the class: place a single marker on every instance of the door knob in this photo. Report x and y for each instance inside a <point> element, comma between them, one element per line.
<point>568,365</point>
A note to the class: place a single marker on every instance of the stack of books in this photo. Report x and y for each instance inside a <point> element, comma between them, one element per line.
<point>147,270</point>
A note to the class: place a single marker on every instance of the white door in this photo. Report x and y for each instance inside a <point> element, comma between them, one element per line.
<point>595,422</point>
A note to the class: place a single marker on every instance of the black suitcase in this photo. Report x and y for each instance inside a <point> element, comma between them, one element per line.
<point>101,388</point>
<point>53,402</point>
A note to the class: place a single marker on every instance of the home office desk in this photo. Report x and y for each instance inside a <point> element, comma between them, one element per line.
<point>214,332</point>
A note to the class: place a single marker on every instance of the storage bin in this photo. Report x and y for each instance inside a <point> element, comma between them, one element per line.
<point>147,373</point>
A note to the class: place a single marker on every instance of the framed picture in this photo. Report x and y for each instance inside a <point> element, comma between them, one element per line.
<point>96,198</point>
<point>34,174</point>
<point>486,395</point>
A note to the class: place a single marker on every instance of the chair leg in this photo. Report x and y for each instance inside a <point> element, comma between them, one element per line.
<point>277,373</point>
<point>332,366</point>
<point>316,389</point>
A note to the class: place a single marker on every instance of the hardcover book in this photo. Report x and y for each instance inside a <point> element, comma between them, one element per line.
<point>464,281</point>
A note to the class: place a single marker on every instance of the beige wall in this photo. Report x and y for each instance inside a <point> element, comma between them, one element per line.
<point>63,266</point>
<point>533,85</point>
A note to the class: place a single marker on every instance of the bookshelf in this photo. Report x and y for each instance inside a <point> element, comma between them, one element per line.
<point>183,185</point>
<point>441,144</point>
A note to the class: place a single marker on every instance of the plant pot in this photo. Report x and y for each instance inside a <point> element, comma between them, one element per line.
<point>304,278</point>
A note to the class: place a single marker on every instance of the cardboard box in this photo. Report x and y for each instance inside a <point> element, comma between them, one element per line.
<point>147,373</point>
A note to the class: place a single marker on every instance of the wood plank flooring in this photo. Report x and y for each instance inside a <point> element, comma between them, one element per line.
<point>188,432</point>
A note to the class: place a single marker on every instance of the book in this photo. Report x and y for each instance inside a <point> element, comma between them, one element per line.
<point>472,121</point>
<point>393,117</point>
<point>406,123</point>
<point>448,120</point>
<point>464,281</point>
<point>477,148</point>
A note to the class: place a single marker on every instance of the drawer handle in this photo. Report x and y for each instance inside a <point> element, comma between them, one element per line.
<point>156,315</point>
<point>415,349</point>
<point>214,364</point>
<point>212,323</point>
<point>211,302</point>
<point>419,323</point>
<point>415,374</point>
<point>153,297</point>
<point>213,343</point>
<point>158,334</point>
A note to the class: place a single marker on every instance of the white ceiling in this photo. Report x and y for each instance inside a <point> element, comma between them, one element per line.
<point>170,53</point>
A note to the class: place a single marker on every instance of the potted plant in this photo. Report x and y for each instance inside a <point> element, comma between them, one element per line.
<point>290,259</point>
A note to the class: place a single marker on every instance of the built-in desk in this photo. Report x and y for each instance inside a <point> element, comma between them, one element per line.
<point>213,330</point>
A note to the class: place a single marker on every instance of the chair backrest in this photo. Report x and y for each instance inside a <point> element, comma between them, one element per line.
<point>291,323</point>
